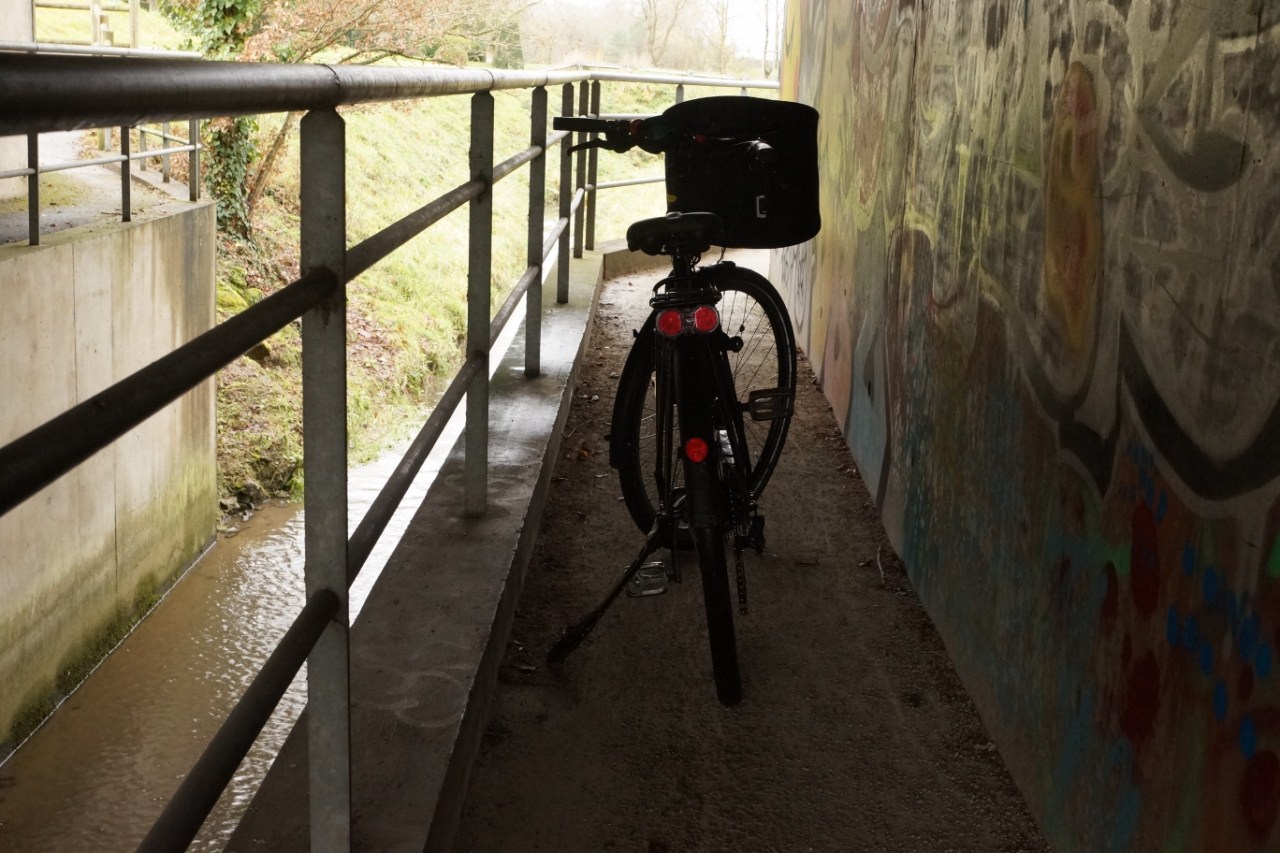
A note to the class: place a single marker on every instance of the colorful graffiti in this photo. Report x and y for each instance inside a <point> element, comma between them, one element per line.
<point>1045,308</point>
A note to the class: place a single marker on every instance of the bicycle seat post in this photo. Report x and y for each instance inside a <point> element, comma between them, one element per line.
<point>682,263</point>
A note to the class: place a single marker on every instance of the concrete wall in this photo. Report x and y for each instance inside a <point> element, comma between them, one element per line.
<point>1045,307</point>
<point>84,310</point>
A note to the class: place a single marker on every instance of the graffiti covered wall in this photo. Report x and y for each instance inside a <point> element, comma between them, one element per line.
<point>1045,305</point>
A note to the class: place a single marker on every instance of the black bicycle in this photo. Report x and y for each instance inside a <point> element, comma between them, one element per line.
<point>706,396</point>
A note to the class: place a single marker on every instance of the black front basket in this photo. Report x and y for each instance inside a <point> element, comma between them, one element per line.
<point>765,202</point>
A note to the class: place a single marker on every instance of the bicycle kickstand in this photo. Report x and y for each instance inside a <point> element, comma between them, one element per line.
<point>578,631</point>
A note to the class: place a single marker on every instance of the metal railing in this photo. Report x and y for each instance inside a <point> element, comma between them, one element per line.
<point>34,169</point>
<point>100,31</point>
<point>125,158</point>
<point>40,94</point>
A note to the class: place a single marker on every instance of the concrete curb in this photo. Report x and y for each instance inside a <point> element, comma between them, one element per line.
<point>426,648</point>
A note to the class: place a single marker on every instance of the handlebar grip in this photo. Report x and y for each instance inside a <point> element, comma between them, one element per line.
<point>581,124</point>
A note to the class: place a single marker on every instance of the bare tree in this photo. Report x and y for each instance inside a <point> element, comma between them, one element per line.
<point>724,47</point>
<point>660,18</point>
<point>772,12</point>
<point>365,31</point>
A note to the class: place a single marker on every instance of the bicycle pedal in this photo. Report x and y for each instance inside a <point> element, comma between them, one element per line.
<point>649,579</point>
<point>768,404</point>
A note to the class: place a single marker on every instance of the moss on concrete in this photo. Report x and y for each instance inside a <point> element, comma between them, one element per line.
<point>43,699</point>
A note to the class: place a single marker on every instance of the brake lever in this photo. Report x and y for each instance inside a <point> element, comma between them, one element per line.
<point>590,143</point>
<point>617,137</point>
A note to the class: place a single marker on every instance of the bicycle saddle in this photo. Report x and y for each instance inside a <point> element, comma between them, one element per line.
<point>675,233</point>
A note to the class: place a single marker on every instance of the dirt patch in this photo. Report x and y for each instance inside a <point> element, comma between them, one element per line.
<point>854,732</point>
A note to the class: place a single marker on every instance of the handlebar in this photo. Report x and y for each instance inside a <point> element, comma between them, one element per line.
<point>617,134</point>
<point>651,134</point>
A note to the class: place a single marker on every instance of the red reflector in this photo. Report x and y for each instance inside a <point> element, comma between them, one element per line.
<point>670,323</point>
<point>705,319</point>
<point>695,450</point>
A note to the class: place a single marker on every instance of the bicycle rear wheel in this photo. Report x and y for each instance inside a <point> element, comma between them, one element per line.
<point>750,309</point>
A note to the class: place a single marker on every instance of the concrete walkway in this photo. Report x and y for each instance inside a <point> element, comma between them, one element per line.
<point>854,732</point>
<point>426,646</point>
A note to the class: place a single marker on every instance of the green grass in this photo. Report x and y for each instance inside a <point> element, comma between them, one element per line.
<point>406,315</point>
<point>73,26</point>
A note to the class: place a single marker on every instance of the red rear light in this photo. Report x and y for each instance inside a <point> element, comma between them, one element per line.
<point>705,319</point>
<point>670,323</point>
<point>695,450</point>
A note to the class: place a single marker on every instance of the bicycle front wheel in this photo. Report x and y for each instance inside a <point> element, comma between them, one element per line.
<point>709,542</point>
<point>750,309</point>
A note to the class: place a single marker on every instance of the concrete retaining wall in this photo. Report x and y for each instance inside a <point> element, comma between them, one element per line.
<point>84,310</point>
<point>1044,307</point>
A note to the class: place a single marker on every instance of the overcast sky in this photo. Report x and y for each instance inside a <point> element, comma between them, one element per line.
<point>746,19</point>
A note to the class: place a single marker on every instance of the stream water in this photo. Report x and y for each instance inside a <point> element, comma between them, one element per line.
<point>97,774</point>
<point>99,771</point>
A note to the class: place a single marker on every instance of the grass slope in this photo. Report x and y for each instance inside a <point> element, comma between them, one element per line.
<point>406,315</point>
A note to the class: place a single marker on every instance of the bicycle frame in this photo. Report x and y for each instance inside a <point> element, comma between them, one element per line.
<point>693,379</point>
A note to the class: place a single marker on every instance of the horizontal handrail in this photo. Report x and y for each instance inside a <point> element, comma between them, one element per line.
<point>97,161</point>
<point>45,93</point>
<point>630,182</point>
<point>677,79</point>
<point>381,509</point>
<point>204,784</point>
<point>80,7</point>
<point>39,94</point>
<point>44,454</point>
<point>54,48</point>
<point>168,137</point>
<point>373,249</point>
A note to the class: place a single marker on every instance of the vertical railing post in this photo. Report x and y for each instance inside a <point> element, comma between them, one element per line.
<point>33,189</point>
<point>592,158</point>
<point>193,168</point>
<point>579,215</point>
<point>165,163</point>
<point>479,284</point>
<point>135,17</point>
<point>566,198</point>
<point>679,93</point>
<point>126,199</point>
<point>324,429</point>
<point>142,148</point>
<point>537,223</point>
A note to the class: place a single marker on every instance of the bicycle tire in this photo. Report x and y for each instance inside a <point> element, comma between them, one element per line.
<point>750,307</point>
<point>709,542</point>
